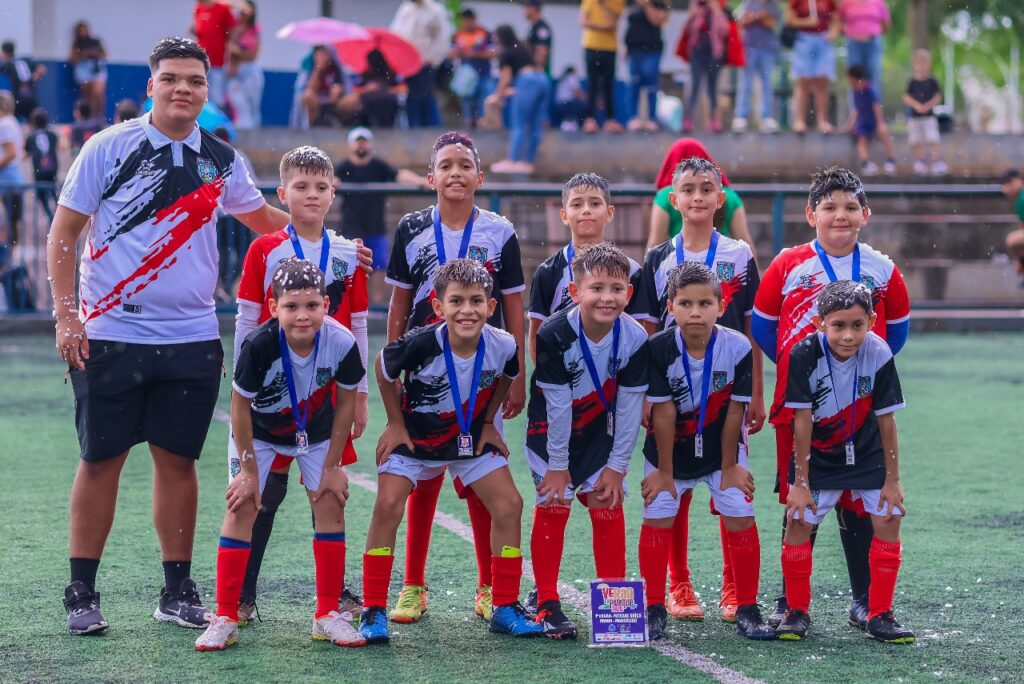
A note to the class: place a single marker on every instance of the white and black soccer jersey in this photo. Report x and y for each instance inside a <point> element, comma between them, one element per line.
<point>493,243</point>
<point>560,364</point>
<point>149,268</point>
<point>427,403</point>
<point>549,292</point>
<point>731,380</point>
<point>259,376</point>
<point>733,264</point>
<point>830,396</point>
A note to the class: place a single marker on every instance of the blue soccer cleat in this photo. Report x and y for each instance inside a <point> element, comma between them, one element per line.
<point>512,619</point>
<point>373,625</point>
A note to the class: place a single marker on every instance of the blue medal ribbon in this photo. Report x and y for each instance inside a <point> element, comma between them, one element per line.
<point>301,418</point>
<point>569,254</point>
<point>467,233</point>
<point>827,265</point>
<point>705,377</point>
<point>325,247</point>
<point>607,403</point>
<point>709,260</point>
<point>465,420</point>
<point>832,377</point>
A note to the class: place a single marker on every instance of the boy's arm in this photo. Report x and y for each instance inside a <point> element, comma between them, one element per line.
<point>897,312</point>
<point>892,490</point>
<point>391,396</point>
<point>535,324</point>
<point>398,312</point>
<point>765,331</point>
<point>663,422</point>
<point>245,485</point>
<point>341,427</point>
<point>512,308</point>
<point>733,474</point>
<point>802,440</point>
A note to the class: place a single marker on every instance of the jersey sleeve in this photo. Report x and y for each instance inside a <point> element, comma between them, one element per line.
<point>404,354</point>
<point>658,390</point>
<point>743,378</point>
<point>248,370</point>
<point>768,297</point>
<point>511,369</point>
<point>897,311</point>
<point>645,304</point>
<point>350,371</point>
<point>359,295</point>
<point>541,294</point>
<point>550,371</point>
<point>240,193</point>
<point>510,277</point>
<point>633,304</point>
<point>399,273</point>
<point>802,363</point>
<point>254,274</point>
<point>634,375</point>
<point>752,285</point>
<point>83,187</point>
<point>888,394</point>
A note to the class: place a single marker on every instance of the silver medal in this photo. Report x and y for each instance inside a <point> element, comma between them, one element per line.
<point>850,458</point>
<point>301,443</point>
<point>465,446</point>
<point>698,446</point>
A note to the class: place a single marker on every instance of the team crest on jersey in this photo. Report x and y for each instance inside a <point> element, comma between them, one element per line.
<point>718,380</point>
<point>487,378</point>
<point>323,376</point>
<point>477,254</point>
<point>725,270</point>
<point>807,280</point>
<point>146,168</point>
<point>863,386</point>
<point>867,280</point>
<point>339,268</point>
<point>207,170</point>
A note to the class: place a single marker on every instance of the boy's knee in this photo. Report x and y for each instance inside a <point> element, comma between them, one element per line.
<point>508,506</point>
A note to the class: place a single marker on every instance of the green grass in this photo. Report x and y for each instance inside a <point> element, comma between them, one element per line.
<point>961,586</point>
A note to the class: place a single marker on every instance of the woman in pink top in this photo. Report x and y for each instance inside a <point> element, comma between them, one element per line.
<point>864,22</point>
<point>245,77</point>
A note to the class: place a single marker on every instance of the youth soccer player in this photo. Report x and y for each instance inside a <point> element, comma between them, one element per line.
<point>700,384</point>
<point>697,194</point>
<point>837,209</point>
<point>425,240</point>
<point>457,373</point>
<point>843,389</point>
<point>307,191</point>
<point>586,396</point>
<point>286,373</point>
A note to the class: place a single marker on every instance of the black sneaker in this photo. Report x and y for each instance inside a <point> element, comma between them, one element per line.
<point>350,602</point>
<point>859,613</point>
<point>657,620</point>
<point>555,623</point>
<point>885,628</point>
<point>779,613</point>
<point>83,607</point>
<point>530,604</point>
<point>182,607</point>
<point>794,626</point>
<point>750,624</point>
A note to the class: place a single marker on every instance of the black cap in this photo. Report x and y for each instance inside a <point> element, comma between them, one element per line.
<point>1009,175</point>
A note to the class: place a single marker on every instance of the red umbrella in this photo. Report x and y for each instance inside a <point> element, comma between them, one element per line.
<point>402,56</point>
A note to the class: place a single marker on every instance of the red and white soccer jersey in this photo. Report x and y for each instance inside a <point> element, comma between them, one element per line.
<point>149,267</point>
<point>733,264</point>
<point>549,292</point>
<point>789,292</point>
<point>849,396</point>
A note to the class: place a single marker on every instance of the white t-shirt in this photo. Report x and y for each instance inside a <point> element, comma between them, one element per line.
<point>10,132</point>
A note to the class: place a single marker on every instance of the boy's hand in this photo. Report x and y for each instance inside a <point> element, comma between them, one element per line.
<point>740,478</point>
<point>552,487</point>
<point>656,483</point>
<point>798,501</point>
<point>362,415</point>
<point>645,414</point>
<point>364,254</point>
<point>516,399</point>
<point>333,481</point>
<point>391,438</point>
<point>609,488</point>
<point>242,488</point>
<point>490,435</point>
<point>892,494</point>
<point>756,415</point>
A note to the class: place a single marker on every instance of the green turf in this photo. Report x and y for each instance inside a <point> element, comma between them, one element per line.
<point>961,586</point>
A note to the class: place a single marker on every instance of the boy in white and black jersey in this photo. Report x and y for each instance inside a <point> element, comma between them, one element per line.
<point>286,373</point>
<point>843,389</point>
<point>586,397</point>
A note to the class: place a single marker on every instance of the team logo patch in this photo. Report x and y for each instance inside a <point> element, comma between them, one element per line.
<point>477,254</point>
<point>718,380</point>
<point>235,467</point>
<point>863,386</point>
<point>146,168</point>
<point>867,280</point>
<point>725,270</point>
<point>487,378</point>
<point>339,268</point>
<point>323,376</point>
<point>807,280</point>
<point>207,170</point>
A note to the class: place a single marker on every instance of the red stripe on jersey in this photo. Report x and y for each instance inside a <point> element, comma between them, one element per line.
<point>586,410</point>
<point>315,401</point>
<point>686,424</point>
<point>835,429</point>
<point>448,426</point>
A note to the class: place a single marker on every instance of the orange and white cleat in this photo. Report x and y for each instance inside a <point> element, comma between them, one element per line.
<point>220,633</point>
<point>683,604</point>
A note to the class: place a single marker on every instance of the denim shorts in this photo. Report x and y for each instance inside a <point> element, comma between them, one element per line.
<point>813,56</point>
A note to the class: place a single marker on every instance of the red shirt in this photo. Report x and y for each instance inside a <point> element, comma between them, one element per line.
<point>826,8</point>
<point>212,24</point>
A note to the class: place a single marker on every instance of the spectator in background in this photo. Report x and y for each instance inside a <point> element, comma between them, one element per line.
<point>600,22</point>
<point>245,76</point>
<point>212,22</point>
<point>644,44</point>
<point>1013,190</point>
<point>570,101</point>
<point>83,126</point>
<point>703,43</point>
<point>864,22</point>
<point>814,58</point>
<point>527,105</point>
<point>324,95</point>
<point>11,145</point>
<point>23,74</point>
<point>539,35</point>
<point>473,46</point>
<point>41,147</point>
<point>924,94</point>
<point>126,110</point>
<point>867,123</point>
<point>758,19</point>
<point>378,89</point>
<point>424,23</point>
<point>89,65</point>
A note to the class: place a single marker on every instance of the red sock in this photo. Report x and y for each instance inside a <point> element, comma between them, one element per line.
<point>727,574</point>
<point>376,579</point>
<point>480,521</point>
<point>609,541</point>
<point>546,544</point>
<point>884,559</point>
<point>232,559</point>
<point>654,546</point>
<point>419,521</point>
<point>678,569</point>
<point>745,549</point>
<point>329,557</point>
<point>796,571</point>
<point>506,574</point>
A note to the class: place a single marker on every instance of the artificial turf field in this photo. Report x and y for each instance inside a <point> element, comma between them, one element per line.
<point>961,585</point>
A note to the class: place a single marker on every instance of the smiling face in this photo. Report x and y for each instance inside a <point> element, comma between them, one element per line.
<point>301,314</point>
<point>455,175</point>
<point>587,213</point>
<point>697,196</point>
<point>308,196</point>
<point>838,219</point>
<point>845,330</point>
<point>465,309</point>
<point>179,90</point>
<point>601,296</point>
<point>695,309</point>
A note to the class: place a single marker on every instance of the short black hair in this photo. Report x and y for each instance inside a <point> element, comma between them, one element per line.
<point>295,275</point>
<point>1009,175</point>
<point>126,110</point>
<point>826,181</point>
<point>601,257</point>
<point>8,47</point>
<point>176,47</point>
<point>858,72</point>
<point>308,159</point>
<point>83,109</point>
<point>38,118</point>
<point>697,165</point>
<point>841,295</point>
<point>586,180</point>
<point>464,272</point>
<point>454,138</point>
<point>692,273</point>
<point>467,14</point>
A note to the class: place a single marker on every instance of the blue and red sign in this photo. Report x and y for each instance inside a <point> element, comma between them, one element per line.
<point>618,613</point>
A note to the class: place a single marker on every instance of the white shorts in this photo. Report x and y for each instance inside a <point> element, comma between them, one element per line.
<point>311,464</point>
<point>460,485</point>
<point>464,471</point>
<point>922,129</point>
<point>730,502</point>
<point>539,468</point>
<point>828,498</point>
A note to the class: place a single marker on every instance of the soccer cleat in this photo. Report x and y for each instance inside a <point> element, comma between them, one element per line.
<point>246,611</point>
<point>769,125</point>
<point>531,602</point>
<point>182,607</point>
<point>83,607</point>
<point>555,623</point>
<point>869,168</point>
<point>728,603</point>
<point>411,605</point>
<point>335,627</point>
<point>750,624</point>
<point>889,167</point>
<point>739,125</point>
<point>885,628</point>
<point>483,606</point>
<point>859,613</point>
<point>920,168</point>
<point>779,613</point>
<point>373,625</point>
<point>512,619</point>
<point>657,621</point>
<point>350,602</point>
<point>939,168</point>
<point>682,603</point>
<point>794,626</point>
<point>220,633</point>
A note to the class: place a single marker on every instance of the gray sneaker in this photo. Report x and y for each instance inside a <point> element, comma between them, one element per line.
<point>182,607</point>
<point>83,607</point>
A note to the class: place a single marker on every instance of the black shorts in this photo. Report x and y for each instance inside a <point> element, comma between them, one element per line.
<point>163,394</point>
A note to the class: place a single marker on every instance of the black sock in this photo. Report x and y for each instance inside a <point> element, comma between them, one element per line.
<point>84,570</point>
<point>274,492</point>
<point>814,535</point>
<point>175,572</point>
<point>856,534</point>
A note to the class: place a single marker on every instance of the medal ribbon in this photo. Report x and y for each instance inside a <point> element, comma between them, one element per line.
<point>569,254</point>
<point>325,247</point>
<point>286,362</point>
<point>606,402</point>
<point>465,420</point>
<point>705,385</point>
<point>823,257</point>
<point>709,260</point>
<point>467,233</point>
<point>832,377</point>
